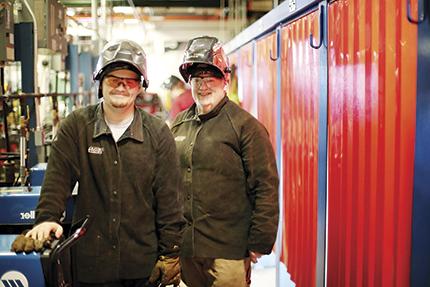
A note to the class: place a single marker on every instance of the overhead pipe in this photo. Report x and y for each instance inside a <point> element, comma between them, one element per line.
<point>138,17</point>
<point>94,17</point>
<point>243,15</point>
<point>222,20</point>
<point>103,21</point>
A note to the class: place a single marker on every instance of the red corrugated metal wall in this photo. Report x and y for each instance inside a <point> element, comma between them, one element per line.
<point>246,63</point>
<point>299,124</point>
<point>266,84</point>
<point>372,88</point>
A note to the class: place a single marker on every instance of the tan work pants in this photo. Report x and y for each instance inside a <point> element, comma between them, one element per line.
<point>210,272</point>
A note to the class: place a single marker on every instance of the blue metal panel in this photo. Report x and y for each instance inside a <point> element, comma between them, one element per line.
<point>24,51</point>
<point>73,67</point>
<point>420,259</point>
<point>94,60</point>
<point>85,68</point>
<point>281,13</point>
<point>19,203</point>
<point>322,155</point>
<point>279,156</point>
<point>37,173</point>
<point>19,269</point>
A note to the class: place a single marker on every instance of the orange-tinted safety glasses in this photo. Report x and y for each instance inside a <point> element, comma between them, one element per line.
<point>114,82</point>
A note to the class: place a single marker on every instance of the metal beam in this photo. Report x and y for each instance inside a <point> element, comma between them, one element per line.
<point>150,3</point>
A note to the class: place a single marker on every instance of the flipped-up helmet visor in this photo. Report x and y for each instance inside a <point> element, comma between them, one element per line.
<point>204,50</point>
<point>201,50</point>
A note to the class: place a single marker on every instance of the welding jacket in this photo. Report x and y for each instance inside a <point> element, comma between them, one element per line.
<point>230,183</point>
<point>129,189</point>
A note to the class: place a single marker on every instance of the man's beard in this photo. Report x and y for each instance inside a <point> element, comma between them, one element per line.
<point>209,101</point>
<point>120,101</point>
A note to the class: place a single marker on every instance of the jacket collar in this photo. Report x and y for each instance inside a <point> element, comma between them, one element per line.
<point>134,131</point>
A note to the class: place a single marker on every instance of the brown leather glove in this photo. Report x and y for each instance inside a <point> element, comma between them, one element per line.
<point>28,244</point>
<point>167,271</point>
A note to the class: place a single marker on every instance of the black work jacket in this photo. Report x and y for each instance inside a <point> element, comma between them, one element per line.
<point>230,182</point>
<point>129,188</point>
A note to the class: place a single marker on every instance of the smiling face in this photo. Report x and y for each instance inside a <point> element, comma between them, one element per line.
<point>207,90</point>
<point>120,88</point>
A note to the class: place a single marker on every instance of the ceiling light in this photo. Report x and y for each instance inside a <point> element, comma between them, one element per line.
<point>123,9</point>
<point>70,12</point>
<point>130,21</point>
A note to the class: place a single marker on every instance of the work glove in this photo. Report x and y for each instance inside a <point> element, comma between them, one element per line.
<point>28,244</point>
<point>167,271</point>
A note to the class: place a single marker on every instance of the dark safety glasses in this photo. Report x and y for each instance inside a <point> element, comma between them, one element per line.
<point>114,82</point>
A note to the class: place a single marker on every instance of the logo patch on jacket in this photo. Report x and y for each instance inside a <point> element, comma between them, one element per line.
<point>95,150</point>
<point>180,138</point>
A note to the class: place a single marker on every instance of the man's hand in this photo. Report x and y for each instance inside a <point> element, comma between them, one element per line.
<point>167,271</point>
<point>37,239</point>
<point>254,256</point>
<point>43,230</point>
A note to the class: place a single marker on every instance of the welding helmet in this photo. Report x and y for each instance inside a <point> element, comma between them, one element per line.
<point>122,54</point>
<point>204,53</point>
<point>171,82</point>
